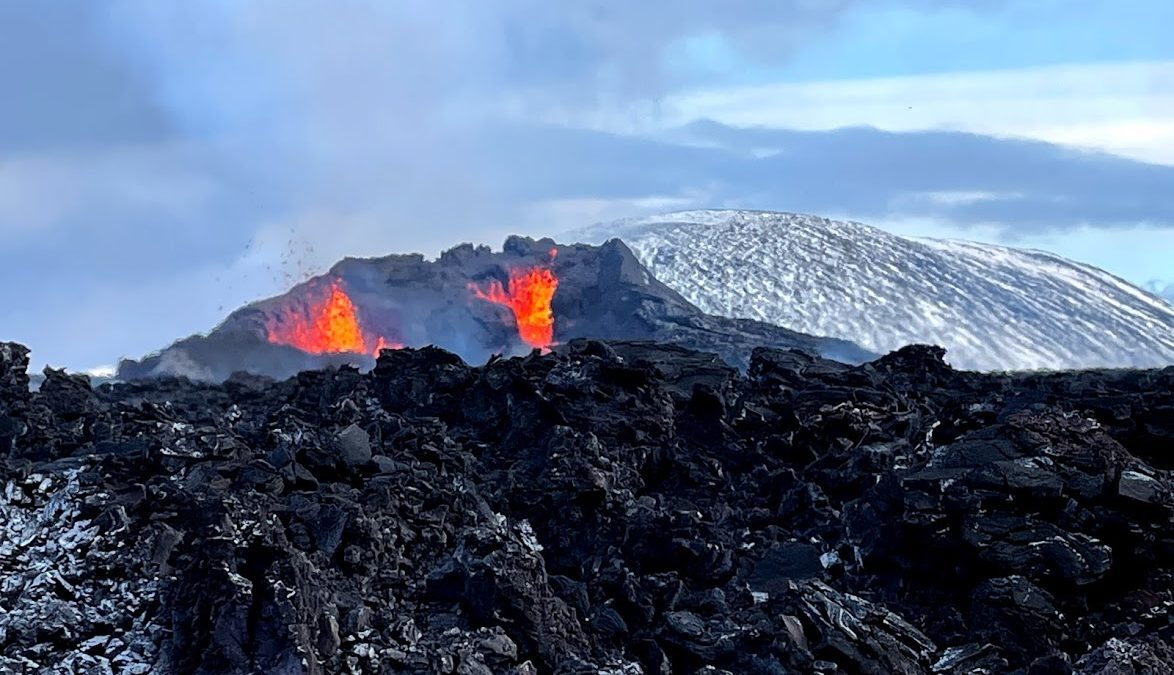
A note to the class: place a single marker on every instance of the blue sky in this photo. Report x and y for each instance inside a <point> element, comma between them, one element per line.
<point>162,163</point>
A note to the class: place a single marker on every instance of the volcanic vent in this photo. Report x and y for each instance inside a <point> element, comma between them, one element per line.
<point>529,294</point>
<point>471,301</point>
<point>328,324</point>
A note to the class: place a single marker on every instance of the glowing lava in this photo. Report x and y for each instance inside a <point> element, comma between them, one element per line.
<point>528,295</point>
<point>327,324</point>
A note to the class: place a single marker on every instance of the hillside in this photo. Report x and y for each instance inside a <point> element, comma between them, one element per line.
<point>991,307</point>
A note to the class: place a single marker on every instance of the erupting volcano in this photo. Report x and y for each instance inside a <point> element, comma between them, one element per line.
<point>327,324</point>
<point>528,295</point>
<point>597,291</point>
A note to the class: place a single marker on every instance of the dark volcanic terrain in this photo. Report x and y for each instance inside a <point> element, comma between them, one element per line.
<point>607,508</point>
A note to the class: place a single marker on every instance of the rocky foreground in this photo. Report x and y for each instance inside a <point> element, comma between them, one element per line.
<point>609,508</point>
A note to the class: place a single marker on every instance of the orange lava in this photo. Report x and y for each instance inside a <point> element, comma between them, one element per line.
<point>528,295</point>
<point>327,324</point>
<point>382,344</point>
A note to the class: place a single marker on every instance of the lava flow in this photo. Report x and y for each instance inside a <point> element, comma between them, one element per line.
<point>328,324</point>
<point>528,294</point>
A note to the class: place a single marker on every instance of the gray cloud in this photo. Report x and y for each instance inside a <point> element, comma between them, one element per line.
<point>1023,186</point>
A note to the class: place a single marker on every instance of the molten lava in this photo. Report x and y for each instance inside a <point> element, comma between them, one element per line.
<point>327,324</point>
<point>528,295</point>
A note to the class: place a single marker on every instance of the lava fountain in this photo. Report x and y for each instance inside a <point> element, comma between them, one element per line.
<point>528,295</point>
<point>327,323</point>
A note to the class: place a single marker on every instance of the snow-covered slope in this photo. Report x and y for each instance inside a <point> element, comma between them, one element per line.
<point>993,308</point>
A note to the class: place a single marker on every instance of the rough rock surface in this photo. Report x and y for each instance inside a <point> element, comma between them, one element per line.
<point>603,293</point>
<point>614,508</point>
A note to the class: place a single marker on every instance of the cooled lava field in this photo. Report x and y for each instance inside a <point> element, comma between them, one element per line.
<point>608,507</point>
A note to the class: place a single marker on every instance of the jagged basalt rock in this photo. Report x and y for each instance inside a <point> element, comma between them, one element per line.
<point>612,507</point>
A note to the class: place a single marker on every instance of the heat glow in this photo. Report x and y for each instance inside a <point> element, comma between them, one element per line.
<point>528,294</point>
<point>327,324</point>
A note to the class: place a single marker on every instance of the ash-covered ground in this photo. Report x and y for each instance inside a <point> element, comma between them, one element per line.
<point>607,508</point>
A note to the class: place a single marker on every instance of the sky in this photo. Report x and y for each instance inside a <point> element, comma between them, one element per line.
<point>164,163</point>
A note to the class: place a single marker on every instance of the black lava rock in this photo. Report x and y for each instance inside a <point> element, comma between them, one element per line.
<point>621,507</point>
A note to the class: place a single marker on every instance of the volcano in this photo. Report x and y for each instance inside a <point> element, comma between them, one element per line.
<point>474,302</point>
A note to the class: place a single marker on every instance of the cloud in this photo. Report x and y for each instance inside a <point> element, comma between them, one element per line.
<point>372,115</point>
<point>1124,108</point>
<point>1017,185</point>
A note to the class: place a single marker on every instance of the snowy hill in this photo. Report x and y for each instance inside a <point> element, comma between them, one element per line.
<point>993,308</point>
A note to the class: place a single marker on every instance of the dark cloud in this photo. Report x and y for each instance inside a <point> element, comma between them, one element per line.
<point>961,178</point>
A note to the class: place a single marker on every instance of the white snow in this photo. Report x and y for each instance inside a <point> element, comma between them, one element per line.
<point>991,307</point>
